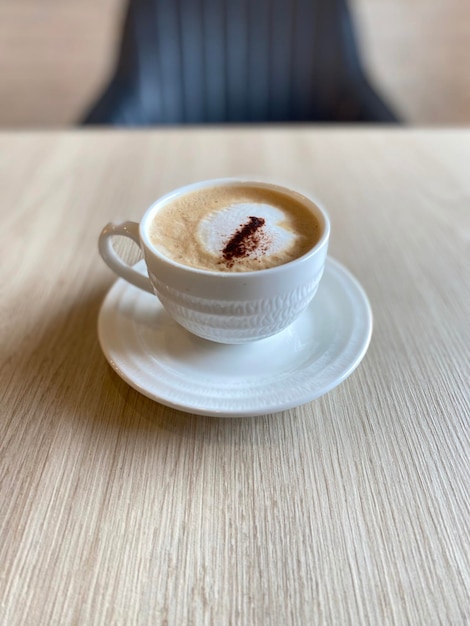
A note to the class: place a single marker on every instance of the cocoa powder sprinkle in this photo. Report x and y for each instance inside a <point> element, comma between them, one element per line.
<point>246,240</point>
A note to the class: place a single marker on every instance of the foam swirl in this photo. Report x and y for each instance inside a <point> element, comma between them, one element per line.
<point>245,231</point>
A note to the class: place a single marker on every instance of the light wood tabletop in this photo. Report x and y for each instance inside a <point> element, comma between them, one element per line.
<point>350,509</point>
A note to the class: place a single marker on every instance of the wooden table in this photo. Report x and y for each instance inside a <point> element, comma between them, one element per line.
<point>352,509</point>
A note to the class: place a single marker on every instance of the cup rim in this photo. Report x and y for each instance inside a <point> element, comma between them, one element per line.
<point>220,182</point>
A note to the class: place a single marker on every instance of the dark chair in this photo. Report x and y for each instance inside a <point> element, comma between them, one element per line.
<point>217,61</point>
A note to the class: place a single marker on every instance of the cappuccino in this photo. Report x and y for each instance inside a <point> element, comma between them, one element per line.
<point>236,227</point>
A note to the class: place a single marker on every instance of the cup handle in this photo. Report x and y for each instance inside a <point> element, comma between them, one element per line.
<point>111,258</point>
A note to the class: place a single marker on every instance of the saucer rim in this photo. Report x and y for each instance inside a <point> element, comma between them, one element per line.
<point>277,406</point>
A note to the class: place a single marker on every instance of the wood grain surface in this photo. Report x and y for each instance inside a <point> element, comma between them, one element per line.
<point>352,509</point>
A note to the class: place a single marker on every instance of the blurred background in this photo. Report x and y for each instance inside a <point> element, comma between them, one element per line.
<point>56,56</point>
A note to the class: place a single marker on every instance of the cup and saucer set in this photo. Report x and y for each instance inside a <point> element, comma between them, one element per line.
<point>232,343</point>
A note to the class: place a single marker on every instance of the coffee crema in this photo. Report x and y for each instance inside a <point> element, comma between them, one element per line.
<point>234,228</point>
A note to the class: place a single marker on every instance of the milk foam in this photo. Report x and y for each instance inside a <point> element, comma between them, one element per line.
<point>234,228</point>
<point>218,227</point>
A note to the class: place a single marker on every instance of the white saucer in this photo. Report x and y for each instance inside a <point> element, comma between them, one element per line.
<point>165,362</point>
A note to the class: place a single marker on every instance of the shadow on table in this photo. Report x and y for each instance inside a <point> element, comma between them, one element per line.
<point>68,377</point>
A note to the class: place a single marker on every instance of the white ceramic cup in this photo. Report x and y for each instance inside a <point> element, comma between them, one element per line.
<point>227,307</point>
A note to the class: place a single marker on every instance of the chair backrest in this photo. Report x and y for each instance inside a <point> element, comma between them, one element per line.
<point>193,61</point>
